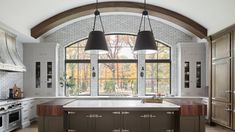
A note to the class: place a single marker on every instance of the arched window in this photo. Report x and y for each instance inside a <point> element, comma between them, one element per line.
<point>118,70</point>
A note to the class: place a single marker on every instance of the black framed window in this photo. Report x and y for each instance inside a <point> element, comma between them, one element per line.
<point>117,70</point>
<point>158,71</point>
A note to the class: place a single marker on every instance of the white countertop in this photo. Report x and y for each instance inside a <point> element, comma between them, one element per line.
<point>106,104</point>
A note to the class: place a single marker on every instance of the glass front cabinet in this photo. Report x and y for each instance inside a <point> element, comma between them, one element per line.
<point>192,69</point>
<point>41,78</point>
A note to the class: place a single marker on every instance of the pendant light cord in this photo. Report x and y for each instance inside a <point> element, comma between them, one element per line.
<point>143,18</point>
<point>97,13</point>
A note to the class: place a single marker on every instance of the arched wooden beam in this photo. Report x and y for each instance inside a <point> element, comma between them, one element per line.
<point>117,6</point>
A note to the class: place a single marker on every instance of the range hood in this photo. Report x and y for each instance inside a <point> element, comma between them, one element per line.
<point>9,57</point>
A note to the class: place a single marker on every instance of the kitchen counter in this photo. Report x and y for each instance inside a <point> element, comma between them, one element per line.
<point>52,108</point>
<point>118,104</point>
<point>190,107</point>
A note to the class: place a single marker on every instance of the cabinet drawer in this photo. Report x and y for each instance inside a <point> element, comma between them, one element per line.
<point>221,113</point>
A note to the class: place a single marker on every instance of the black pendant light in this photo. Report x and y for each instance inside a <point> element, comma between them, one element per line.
<point>145,42</point>
<point>96,43</point>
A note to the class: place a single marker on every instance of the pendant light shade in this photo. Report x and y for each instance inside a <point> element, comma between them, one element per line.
<point>96,43</point>
<point>145,42</point>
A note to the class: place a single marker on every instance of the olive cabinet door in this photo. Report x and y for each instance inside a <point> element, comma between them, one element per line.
<point>108,121</point>
<point>80,122</point>
<point>135,121</point>
<point>163,121</point>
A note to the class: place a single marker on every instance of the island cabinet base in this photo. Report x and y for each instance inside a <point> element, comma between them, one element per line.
<point>51,124</point>
<point>192,123</point>
<point>122,121</point>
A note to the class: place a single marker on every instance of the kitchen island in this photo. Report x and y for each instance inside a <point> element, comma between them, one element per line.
<point>120,115</point>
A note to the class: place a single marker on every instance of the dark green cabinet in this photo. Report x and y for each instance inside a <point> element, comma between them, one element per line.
<point>135,121</point>
<point>90,121</point>
<point>107,122</point>
<point>122,121</point>
<point>163,121</point>
<point>80,121</point>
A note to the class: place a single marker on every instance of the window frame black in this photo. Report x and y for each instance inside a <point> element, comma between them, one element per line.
<point>121,61</point>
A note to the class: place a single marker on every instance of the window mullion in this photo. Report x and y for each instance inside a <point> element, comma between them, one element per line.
<point>94,79</point>
<point>141,80</point>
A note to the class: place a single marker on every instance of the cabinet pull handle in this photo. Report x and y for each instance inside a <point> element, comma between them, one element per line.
<point>98,116</point>
<point>125,130</point>
<point>144,116</point>
<point>170,113</point>
<point>228,110</point>
<point>71,130</point>
<point>228,91</point>
<point>116,113</point>
<point>71,113</point>
<point>169,130</point>
<point>152,116</point>
<point>116,130</point>
<point>125,113</point>
<point>90,116</point>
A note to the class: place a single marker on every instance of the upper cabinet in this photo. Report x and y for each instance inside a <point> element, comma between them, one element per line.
<point>192,69</point>
<point>9,57</point>
<point>221,47</point>
<point>41,78</point>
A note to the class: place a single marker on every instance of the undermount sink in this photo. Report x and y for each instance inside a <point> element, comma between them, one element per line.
<point>152,100</point>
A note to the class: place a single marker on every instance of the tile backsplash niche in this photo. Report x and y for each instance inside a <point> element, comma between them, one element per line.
<point>8,79</point>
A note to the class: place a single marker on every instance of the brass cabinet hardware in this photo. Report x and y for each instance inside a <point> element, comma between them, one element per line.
<point>116,130</point>
<point>116,113</point>
<point>71,113</point>
<point>145,116</point>
<point>152,116</point>
<point>228,110</point>
<point>125,113</point>
<point>125,130</point>
<point>170,113</point>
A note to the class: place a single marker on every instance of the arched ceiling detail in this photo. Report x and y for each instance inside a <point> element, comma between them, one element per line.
<point>132,7</point>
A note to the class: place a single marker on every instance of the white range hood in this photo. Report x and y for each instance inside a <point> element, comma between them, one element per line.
<point>9,57</point>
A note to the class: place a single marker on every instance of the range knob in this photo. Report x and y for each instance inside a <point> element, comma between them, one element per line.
<point>1,109</point>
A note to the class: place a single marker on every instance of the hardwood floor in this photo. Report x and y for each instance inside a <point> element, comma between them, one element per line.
<point>33,128</point>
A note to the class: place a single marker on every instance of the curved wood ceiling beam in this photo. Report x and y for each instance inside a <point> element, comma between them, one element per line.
<point>156,11</point>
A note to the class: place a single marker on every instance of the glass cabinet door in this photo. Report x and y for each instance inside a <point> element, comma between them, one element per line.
<point>186,75</point>
<point>198,74</point>
<point>38,75</point>
<point>49,74</point>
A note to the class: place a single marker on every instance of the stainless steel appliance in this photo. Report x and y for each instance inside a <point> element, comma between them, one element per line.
<point>10,115</point>
<point>3,117</point>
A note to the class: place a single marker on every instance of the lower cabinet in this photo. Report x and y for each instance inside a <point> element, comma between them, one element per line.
<point>122,121</point>
<point>28,112</point>
<point>221,113</point>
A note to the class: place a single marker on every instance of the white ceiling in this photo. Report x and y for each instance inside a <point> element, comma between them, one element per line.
<point>20,16</point>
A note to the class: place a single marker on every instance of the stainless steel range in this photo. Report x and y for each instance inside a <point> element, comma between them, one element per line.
<point>10,115</point>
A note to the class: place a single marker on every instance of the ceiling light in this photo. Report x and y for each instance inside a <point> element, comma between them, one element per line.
<point>96,43</point>
<point>145,42</point>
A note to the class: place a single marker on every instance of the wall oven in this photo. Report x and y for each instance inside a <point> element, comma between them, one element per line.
<point>3,117</point>
<point>14,119</point>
